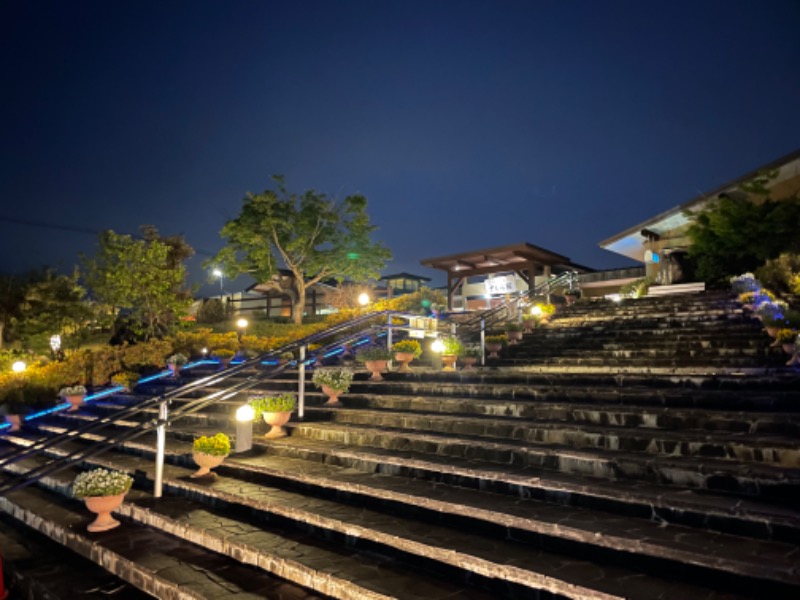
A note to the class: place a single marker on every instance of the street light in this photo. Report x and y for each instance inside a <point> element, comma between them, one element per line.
<point>221,275</point>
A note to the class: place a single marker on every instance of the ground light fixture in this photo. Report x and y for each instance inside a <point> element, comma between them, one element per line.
<point>244,428</point>
<point>536,310</point>
<point>363,299</point>
<point>19,366</point>
<point>242,325</point>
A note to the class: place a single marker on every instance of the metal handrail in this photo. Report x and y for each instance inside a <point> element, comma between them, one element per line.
<point>57,464</point>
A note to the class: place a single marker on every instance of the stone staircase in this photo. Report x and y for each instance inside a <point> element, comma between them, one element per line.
<point>544,475</point>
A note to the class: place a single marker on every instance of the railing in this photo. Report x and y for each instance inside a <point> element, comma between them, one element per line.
<point>355,329</point>
<point>512,308</point>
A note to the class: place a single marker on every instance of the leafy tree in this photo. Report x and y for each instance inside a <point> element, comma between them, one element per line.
<point>141,278</point>
<point>311,235</point>
<point>736,235</point>
<point>52,304</point>
<point>12,292</point>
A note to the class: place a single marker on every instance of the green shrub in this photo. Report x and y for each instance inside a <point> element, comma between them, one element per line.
<point>372,352</point>
<point>211,311</point>
<point>408,346</point>
<point>452,346</point>
<point>216,445</point>
<point>271,404</point>
<point>636,288</point>
<point>336,379</point>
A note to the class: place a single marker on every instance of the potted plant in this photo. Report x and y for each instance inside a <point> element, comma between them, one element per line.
<point>375,358</point>
<point>12,402</point>
<point>494,343</point>
<point>773,324</point>
<point>771,310</point>
<point>744,283</point>
<point>127,380</point>
<point>452,348</point>
<point>209,452</point>
<point>472,354</point>
<point>275,410</point>
<point>513,332</point>
<point>404,352</point>
<point>333,382</point>
<point>74,394</point>
<point>224,355</point>
<point>285,358</point>
<point>571,295</point>
<point>176,361</point>
<point>786,338</point>
<point>103,491</point>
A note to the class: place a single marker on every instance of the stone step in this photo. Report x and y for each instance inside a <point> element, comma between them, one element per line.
<point>762,448</point>
<point>439,540</point>
<point>37,567</point>
<point>629,410</point>
<point>781,481</point>
<point>159,564</point>
<point>770,448</point>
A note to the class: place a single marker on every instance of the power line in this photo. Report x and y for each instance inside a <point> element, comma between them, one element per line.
<point>85,230</point>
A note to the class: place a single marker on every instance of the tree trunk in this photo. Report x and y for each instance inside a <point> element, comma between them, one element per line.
<point>298,304</point>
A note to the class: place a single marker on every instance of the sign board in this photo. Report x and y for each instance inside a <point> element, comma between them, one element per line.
<point>500,285</point>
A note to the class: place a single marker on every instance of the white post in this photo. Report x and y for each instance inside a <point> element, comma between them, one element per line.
<point>389,338</point>
<point>301,384</point>
<point>161,443</point>
<point>483,342</point>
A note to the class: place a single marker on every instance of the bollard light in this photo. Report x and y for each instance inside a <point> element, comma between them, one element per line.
<point>536,310</point>
<point>437,346</point>
<point>19,366</point>
<point>244,428</point>
<point>363,299</point>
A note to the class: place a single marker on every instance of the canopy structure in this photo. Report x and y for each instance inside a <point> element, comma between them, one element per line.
<point>525,259</point>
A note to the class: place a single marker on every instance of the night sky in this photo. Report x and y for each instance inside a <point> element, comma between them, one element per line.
<point>466,124</point>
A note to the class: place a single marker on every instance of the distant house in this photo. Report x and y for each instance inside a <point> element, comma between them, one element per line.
<point>401,283</point>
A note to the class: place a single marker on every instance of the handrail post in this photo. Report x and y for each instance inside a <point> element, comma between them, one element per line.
<point>161,443</point>
<point>483,342</point>
<point>389,336</point>
<point>301,383</point>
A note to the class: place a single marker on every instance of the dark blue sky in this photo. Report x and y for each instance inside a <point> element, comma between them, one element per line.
<point>466,124</point>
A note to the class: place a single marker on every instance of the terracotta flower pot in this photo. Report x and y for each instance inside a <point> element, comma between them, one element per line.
<point>332,394</point>
<point>276,420</point>
<point>469,363</point>
<point>102,506</point>
<point>449,362</point>
<point>494,349</point>
<point>404,358</point>
<point>206,462</point>
<point>514,336</point>
<point>75,401</point>
<point>791,349</point>
<point>15,421</point>
<point>376,367</point>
